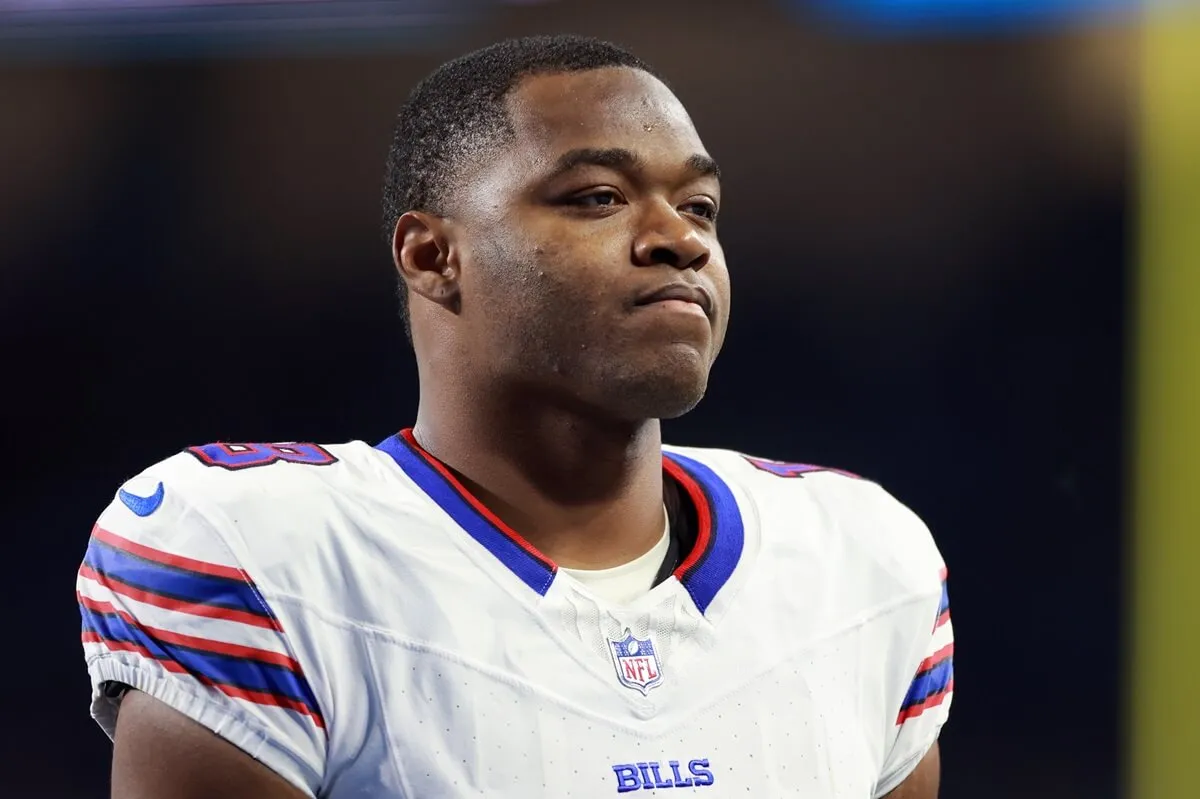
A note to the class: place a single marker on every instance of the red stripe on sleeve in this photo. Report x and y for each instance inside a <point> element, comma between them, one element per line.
<point>194,642</point>
<point>931,701</point>
<point>942,619</point>
<point>257,697</point>
<point>182,606</point>
<point>936,658</point>
<point>168,559</point>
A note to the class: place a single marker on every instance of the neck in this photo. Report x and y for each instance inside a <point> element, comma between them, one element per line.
<point>587,493</point>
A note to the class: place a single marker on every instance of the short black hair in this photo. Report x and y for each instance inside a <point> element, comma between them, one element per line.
<point>458,111</point>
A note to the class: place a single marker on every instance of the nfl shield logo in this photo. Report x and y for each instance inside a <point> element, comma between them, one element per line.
<point>637,665</point>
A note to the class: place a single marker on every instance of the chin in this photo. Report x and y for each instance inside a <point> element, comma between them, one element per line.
<point>666,390</point>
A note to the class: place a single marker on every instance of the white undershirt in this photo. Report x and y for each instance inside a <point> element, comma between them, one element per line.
<point>625,583</point>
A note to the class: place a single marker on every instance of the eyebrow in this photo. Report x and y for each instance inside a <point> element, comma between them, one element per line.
<point>704,166</point>
<point>622,159</point>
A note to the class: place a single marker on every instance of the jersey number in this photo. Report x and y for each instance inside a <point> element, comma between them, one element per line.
<point>782,469</point>
<point>247,456</point>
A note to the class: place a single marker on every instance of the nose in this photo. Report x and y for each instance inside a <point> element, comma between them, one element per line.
<point>668,238</point>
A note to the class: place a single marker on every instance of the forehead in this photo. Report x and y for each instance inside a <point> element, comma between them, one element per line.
<point>618,107</point>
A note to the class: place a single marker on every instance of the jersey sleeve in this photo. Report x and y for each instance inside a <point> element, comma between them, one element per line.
<point>925,706</point>
<point>168,610</point>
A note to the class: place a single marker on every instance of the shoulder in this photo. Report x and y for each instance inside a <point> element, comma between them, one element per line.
<point>172,596</point>
<point>227,471</point>
<point>834,513</point>
<point>232,478</point>
<point>242,504</point>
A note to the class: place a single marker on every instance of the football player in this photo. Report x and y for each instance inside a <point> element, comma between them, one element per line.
<point>525,593</point>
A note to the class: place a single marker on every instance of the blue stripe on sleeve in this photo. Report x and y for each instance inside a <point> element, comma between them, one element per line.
<point>929,683</point>
<point>173,582</point>
<point>249,675</point>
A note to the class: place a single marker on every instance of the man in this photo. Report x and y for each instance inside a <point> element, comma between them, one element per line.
<point>524,595</point>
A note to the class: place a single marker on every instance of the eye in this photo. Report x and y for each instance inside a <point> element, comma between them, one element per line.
<point>599,198</point>
<point>705,209</point>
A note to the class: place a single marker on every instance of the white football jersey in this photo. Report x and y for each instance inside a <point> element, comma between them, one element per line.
<point>354,619</point>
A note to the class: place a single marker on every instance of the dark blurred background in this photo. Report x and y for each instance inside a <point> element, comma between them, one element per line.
<point>929,232</point>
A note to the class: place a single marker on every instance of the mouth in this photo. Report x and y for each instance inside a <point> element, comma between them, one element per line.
<point>680,296</point>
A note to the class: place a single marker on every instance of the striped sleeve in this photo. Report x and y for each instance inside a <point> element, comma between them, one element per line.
<point>166,609</point>
<point>925,706</point>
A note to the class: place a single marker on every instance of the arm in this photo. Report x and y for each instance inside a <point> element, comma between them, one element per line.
<point>158,752</point>
<point>923,782</point>
<point>220,689</point>
<point>911,769</point>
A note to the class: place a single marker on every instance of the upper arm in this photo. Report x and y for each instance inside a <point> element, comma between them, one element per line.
<point>158,752</point>
<point>924,780</point>
<point>915,650</point>
<point>920,705</point>
<point>170,611</point>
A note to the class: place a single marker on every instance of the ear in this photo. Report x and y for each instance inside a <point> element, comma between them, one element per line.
<point>423,257</point>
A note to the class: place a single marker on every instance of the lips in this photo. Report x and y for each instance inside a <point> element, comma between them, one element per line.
<point>684,292</point>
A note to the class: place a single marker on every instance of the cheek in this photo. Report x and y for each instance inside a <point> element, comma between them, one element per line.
<point>532,290</point>
<point>565,298</point>
<point>561,279</point>
<point>566,274</point>
<point>718,273</point>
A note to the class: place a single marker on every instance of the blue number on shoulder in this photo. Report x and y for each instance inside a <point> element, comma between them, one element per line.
<point>784,469</point>
<point>247,456</point>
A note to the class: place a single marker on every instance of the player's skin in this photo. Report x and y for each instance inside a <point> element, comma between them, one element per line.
<point>543,373</point>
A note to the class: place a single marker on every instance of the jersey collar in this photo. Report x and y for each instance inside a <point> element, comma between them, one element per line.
<point>720,536</point>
